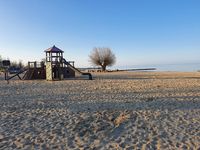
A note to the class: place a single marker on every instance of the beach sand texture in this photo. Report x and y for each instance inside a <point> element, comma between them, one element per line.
<point>120,110</point>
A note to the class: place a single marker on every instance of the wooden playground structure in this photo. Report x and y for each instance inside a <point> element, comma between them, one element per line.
<point>55,67</point>
<point>35,71</point>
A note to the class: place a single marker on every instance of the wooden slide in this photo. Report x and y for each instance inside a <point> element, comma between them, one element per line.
<point>76,70</point>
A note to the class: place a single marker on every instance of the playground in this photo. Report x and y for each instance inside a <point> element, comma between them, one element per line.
<point>54,68</point>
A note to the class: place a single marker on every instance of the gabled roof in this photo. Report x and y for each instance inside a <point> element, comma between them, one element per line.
<point>54,49</point>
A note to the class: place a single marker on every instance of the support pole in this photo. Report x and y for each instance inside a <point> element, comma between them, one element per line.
<point>5,73</point>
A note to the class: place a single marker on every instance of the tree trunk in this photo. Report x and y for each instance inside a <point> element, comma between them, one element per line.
<point>103,68</point>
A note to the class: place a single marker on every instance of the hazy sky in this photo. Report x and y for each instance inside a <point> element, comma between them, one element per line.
<point>140,32</point>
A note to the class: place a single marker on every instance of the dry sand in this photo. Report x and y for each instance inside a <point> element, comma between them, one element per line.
<point>138,110</point>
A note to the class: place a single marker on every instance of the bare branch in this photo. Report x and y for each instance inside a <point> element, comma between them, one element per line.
<point>103,57</point>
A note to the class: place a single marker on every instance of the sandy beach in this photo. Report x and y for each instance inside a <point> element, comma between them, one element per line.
<point>119,110</point>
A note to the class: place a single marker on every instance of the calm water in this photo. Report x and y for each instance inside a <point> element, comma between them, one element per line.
<point>170,67</point>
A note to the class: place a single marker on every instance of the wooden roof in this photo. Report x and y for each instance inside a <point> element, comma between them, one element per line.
<point>54,49</point>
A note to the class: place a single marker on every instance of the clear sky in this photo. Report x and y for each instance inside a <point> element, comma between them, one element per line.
<point>140,32</point>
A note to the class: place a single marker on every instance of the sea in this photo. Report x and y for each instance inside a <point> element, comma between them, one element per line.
<point>192,67</point>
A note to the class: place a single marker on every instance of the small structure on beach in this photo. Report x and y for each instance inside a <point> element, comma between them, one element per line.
<point>35,70</point>
<point>6,63</point>
<point>56,69</point>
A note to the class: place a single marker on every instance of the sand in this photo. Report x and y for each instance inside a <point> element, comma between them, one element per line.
<point>121,110</point>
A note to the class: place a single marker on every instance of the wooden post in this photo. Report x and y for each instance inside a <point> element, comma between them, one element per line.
<point>5,73</point>
<point>35,65</point>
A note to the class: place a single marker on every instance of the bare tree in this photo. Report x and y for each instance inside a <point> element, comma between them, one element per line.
<point>18,64</point>
<point>14,64</point>
<point>1,67</point>
<point>103,57</point>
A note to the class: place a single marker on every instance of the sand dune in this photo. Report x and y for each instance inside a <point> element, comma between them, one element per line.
<point>121,110</point>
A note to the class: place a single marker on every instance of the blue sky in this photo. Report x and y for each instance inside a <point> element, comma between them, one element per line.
<point>140,32</point>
